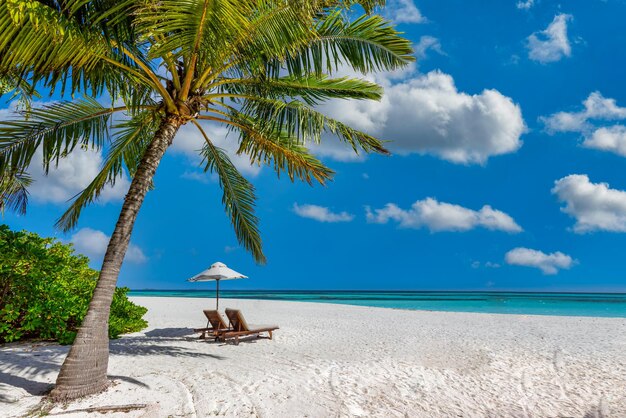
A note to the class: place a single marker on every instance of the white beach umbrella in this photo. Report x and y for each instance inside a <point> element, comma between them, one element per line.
<point>218,271</point>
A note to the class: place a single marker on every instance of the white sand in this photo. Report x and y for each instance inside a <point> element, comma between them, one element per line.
<point>333,360</point>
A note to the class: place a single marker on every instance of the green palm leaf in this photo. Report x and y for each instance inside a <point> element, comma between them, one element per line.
<point>296,119</point>
<point>14,192</point>
<point>311,89</point>
<point>58,128</point>
<point>238,197</point>
<point>278,149</point>
<point>131,139</point>
<point>367,44</point>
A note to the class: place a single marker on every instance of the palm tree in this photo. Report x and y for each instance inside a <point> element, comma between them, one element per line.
<point>260,67</point>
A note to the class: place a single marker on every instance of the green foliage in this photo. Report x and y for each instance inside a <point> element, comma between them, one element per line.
<point>125,315</point>
<point>45,290</point>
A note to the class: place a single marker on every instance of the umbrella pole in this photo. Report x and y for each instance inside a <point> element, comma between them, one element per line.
<point>217,294</point>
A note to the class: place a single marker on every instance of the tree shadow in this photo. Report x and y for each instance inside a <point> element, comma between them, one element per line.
<point>152,343</point>
<point>130,380</point>
<point>31,386</point>
<point>169,332</point>
<point>24,365</point>
<point>142,346</point>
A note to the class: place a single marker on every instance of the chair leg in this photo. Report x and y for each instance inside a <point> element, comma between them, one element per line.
<point>270,332</point>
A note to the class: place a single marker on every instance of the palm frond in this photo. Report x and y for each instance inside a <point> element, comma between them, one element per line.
<point>298,120</point>
<point>185,25</point>
<point>80,45</point>
<point>238,197</point>
<point>367,44</point>
<point>284,154</point>
<point>14,191</point>
<point>277,149</point>
<point>58,128</point>
<point>132,136</point>
<point>37,39</point>
<point>14,86</point>
<point>311,89</point>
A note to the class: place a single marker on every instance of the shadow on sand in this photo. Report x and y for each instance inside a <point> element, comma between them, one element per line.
<point>25,365</point>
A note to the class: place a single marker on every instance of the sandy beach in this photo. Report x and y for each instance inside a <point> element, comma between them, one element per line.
<point>335,360</point>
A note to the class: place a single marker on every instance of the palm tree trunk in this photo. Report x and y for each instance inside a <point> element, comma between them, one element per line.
<point>84,370</point>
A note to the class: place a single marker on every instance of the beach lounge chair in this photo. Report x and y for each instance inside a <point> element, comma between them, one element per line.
<point>216,322</point>
<point>240,328</point>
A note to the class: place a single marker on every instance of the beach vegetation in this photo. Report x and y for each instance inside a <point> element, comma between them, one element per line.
<point>45,289</point>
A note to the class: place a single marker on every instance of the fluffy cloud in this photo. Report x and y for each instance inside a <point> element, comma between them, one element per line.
<point>404,11</point>
<point>93,244</point>
<point>547,263</point>
<point>439,216</point>
<point>70,177</point>
<point>551,44</point>
<point>525,5</point>
<point>189,141</point>
<point>425,44</point>
<point>321,213</point>
<point>597,110</point>
<point>595,107</point>
<point>612,139</point>
<point>595,206</point>
<point>426,114</point>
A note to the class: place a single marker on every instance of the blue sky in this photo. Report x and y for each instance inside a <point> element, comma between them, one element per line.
<point>508,170</point>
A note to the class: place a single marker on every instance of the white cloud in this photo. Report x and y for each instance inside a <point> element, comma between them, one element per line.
<point>547,263</point>
<point>595,107</point>
<point>426,114</point>
<point>595,206</point>
<point>404,11</point>
<point>551,44</point>
<point>230,248</point>
<point>70,177</point>
<point>321,213</point>
<point>597,110</point>
<point>198,176</point>
<point>189,141</point>
<point>93,244</point>
<point>525,5</point>
<point>487,264</point>
<point>564,122</point>
<point>425,44</point>
<point>600,107</point>
<point>439,216</point>
<point>612,139</point>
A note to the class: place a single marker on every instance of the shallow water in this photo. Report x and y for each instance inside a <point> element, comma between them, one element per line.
<point>566,304</point>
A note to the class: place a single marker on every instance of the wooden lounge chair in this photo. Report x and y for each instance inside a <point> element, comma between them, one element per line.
<point>216,322</point>
<point>240,328</point>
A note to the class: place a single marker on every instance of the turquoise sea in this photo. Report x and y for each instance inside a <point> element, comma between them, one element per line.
<point>569,304</point>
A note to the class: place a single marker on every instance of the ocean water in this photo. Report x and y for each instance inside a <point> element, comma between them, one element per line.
<point>567,304</point>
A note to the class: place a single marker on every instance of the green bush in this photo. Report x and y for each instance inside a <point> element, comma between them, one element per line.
<point>45,289</point>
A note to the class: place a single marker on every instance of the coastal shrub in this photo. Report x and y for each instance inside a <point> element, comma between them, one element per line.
<point>45,289</point>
